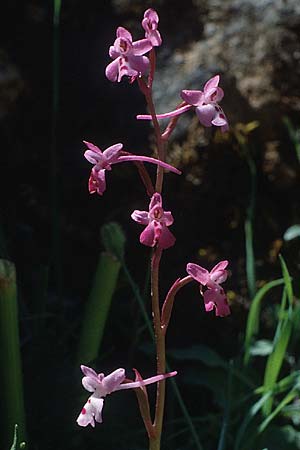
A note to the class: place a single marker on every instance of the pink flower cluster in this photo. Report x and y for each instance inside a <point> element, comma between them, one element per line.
<point>129,59</point>
<point>128,56</point>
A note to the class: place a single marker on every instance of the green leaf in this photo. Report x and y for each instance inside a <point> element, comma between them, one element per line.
<point>262,347</point>
<point>292,412</point>
<point>97,308</point>
<point>281,438</point>
<point>113,239</point>
<point>254,315</point>
<point>292,233</point>
<point>275,360</point>
<point>12,399</point>
<point>287,280</point>
<point>248,418</point>
<point>286,400</point>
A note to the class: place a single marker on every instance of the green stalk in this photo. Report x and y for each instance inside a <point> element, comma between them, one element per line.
<point>97,308</point>
<point>12,404</point>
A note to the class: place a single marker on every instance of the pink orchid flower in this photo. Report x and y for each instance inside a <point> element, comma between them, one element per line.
<point>102,385</point>
<point>157,221</point>
<point>207,108</point>
<point>214,296</point>
<point>128,57</point>
<point>150,24</point>
<point>112,155</point>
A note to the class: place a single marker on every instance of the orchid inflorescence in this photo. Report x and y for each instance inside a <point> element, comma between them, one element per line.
<point>136,60</point>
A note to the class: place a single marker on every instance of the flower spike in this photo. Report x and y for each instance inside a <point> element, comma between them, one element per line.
<point>214,296</point>
<point>112,155</point>
<point>102,385</point>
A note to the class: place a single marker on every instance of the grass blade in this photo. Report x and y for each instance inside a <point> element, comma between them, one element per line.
<point>12,404</point>
<point>276,358</point>
<point>254,313</point>
<point>287,280</point>
<point>285,401</point>
<point>249,416</point>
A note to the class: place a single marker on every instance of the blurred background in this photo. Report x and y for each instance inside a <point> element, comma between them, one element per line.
<point>237,199</point>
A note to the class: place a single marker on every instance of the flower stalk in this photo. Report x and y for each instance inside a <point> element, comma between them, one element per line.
<point>137,61</point>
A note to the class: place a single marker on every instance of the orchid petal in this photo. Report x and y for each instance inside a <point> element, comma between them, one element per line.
<point>93,157</point>
<point>97,182</point>
<point>218,298</point>
<point>91,411</point>
<point>140,217</point>
<point>139,64</point>
<point>198,273</point>
<point>123,33</point>
<point>113,53</point>
<point>92,147</point>
<point>141,47</point>
<point>113,380</point>
<point>218,272</point>
<point>151,15</point>
<point>166,238</point>
<point>194,98</point>
<point>155,201</point>
<point>206,114</point>
<point>168,218</point>
<point>112,70</point>
<point>147,236</point>
<point>212,83</point>
<point>112,152</point>
<point>155,38</point>
<point>89,383</point>
<point>219,120</point>
<point>88,371</point>
<point>209,297</point>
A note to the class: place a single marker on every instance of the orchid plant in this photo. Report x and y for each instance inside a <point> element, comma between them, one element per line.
<point>136,60</point>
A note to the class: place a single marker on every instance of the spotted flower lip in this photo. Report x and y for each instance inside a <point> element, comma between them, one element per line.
<point>112,155</point>
<point>102,385</point>
<point>214,297</point>
<point>150,24</point>
<point>128,59</point>
<point>157,222</point>
<point>206,103</point>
